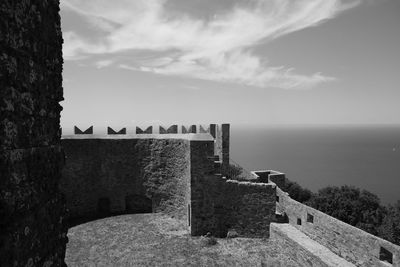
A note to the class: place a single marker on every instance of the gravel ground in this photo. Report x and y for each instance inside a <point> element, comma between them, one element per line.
<point>159,240</point>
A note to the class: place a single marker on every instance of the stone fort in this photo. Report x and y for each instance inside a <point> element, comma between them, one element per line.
<point>48,179</point>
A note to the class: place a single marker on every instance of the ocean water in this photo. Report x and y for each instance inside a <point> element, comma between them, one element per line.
<point>317,156</point>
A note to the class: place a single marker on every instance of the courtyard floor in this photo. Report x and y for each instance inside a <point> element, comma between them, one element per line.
<point>159,240</point>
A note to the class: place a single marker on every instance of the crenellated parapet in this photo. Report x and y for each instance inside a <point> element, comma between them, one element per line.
<point>148,130</point>
<point>112,131</point>
<point>211,129</point>
<point>173,129</point>
<point>189,129</point>
<point>87,131</point>
<point>185,167</point>
<point>267,176</point>
<point>219,132</point>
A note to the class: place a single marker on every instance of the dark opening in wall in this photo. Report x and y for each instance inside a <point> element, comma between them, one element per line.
<point>221,225</point>
<point>138,204</point>
<point>385,255</point>
<point>188,214</point>
<point>277,198</point>
<point>104,206</point>
<point>310,218</point>
<point>298,221</point>
<point>281,218</point>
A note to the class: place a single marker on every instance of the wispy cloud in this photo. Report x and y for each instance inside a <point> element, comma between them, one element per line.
<point>219,49</point>
<point>103,63</point>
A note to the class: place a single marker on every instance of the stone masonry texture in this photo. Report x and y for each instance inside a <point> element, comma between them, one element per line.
<point>205,189</point>
<point>350,243</point>
<point>301,249</point>
<point>32,210</point>
<point>219,205</point>
<point>176,175</point>
<point>249,207</point>
<point>122,169</point>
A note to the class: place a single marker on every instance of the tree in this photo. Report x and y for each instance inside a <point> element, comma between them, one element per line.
<point>296,192</point>
<point>390,228</point>
<point>351,205</point>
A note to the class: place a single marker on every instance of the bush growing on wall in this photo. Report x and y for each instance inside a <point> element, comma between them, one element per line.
<point>234,172</point>
<point>297,192</point>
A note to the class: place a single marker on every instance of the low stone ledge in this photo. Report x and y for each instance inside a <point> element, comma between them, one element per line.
<point>303,249</point>
<point>247,183</point>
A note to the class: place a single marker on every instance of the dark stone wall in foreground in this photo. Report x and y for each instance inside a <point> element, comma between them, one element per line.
<point>103,177</point>
<point>32,228</point>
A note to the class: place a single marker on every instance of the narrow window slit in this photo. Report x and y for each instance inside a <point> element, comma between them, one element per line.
<point>385,255</point>
<point>310,218</point>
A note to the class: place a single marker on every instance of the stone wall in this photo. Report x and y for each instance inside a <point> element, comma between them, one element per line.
<point>218,205</point>
<point>302,250</point>
<point>351,243</point>
<point>249,207</point>
<point>125,172</point>
<point>32,228</point>
<point>225,136</point>
<point>103,176</point>
<point>221,134</point>
<point>205,188</point>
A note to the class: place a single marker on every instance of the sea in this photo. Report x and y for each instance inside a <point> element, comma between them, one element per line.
<point>365,156</point>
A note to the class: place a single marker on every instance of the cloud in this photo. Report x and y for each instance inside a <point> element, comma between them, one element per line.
<point>217,49</point>
<point>103,63</point>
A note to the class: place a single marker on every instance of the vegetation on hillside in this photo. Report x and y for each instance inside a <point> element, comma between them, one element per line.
<point>297,192</point>
<point>354,206</point>
<point>351,205</point>
<point>390,227</point>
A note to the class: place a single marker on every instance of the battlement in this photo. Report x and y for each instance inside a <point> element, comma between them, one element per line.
<point>139,136</point>
<point>115,173</point>
<point>219,133</point>
<point>179,173</point>
<point>211,129</point>
<point>127,161</point>
<point>268,176</point>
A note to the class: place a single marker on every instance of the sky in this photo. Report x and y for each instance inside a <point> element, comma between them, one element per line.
<point>259,62</point>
